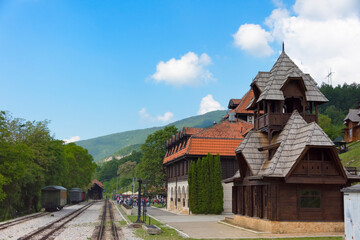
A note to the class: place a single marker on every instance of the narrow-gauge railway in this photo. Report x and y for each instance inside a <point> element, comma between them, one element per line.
<point>21,220</point>
<point>108,231</point>
<point>46,231</point>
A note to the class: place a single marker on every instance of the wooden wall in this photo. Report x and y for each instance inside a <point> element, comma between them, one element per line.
<point>282,202</point>
<point>355,132</point>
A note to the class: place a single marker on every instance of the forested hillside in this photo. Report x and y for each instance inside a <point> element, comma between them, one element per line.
<point>105,146</point>
<point>332,113</point>
<point>30,158</point>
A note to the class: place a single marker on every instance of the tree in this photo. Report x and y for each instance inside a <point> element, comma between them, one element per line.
<point>205,186</point>
<point>331,130</point>
<point>193,188</point>
<point>31,158</point>
<point>218,188</point>
<point>150,169</point>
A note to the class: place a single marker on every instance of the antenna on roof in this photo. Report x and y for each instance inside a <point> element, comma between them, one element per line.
<point>329,77</point>
<point>283,46</point>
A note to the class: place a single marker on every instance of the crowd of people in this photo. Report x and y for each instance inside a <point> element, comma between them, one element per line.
<point>147,201</point>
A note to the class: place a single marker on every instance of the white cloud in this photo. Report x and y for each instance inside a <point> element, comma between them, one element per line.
<point>254,39</point>
<point>72,139</point>
<point>326,9</point>
<point>319,35</point>
<point>209,104</point>
<point>146,117</point>
<point>166,117</point>
<point>190,70</point>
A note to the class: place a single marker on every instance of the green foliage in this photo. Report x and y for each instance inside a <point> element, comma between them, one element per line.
<point>150,169</point>
<point>353,154</point>
<point>341,99</point>
<point>31,158</point>
<point>108,170</point>
<point>205,187</point>
<point>218,188</point>
<point>108,173</point>
<point>331,130</point>
<point>128,149</point>
<point>108,145</point>
<point>193,187</point>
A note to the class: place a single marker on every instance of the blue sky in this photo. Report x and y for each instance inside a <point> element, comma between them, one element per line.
<point>99,67</point>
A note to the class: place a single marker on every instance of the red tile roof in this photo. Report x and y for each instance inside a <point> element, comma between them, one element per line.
<point>222,138</point>
<point>241,108</point>
<point>226,129</point>
<point>233,103</point>
<point>95,181</point>
<point>223,147</point>
<point>191,130</point>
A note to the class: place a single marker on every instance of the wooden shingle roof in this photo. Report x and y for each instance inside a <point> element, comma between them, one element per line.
<point>270,83</point>
<point>353,115</point>
<point>296,135</point>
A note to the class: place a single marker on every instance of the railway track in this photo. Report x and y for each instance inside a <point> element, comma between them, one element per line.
<point>21,220</point>
<point>108,231</point>
<point>46,231</point>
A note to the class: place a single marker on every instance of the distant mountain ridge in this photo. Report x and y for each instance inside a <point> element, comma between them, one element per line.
<point>120,144</point>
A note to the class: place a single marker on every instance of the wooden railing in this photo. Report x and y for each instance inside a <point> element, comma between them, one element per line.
<point>278,119</point>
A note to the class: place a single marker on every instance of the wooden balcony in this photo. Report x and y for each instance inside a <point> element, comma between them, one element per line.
<point>278,119</point>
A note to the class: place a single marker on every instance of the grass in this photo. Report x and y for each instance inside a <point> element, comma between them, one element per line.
<point>122,223</point>
<point>158,205</point>
<point>352,154</point>
<point>170,234</point>
<point>297,238</point>
<point>166,234</point>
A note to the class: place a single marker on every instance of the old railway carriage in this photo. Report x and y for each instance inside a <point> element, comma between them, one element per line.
<point>290,175</point>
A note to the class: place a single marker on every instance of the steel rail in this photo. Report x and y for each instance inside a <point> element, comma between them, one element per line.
<point>21,220</point>
<point>114,230</point>
<point>102,225</point>
<point>67,219</point>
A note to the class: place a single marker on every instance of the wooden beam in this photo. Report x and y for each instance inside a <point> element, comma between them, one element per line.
<point>272,146</point>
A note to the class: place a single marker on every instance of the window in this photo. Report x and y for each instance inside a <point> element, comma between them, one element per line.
<point>310,199</point>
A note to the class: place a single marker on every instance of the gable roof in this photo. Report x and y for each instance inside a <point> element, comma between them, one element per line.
<point>244,102</point>
<point>221,138</point>
<point>353,115</point>
<point>270,83</point>
<point>233,103</point>
<point>95,181</point>
<point>293,139</point>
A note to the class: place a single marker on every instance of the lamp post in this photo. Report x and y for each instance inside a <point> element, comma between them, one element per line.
<point>139,201</point>
<point>144,207</point>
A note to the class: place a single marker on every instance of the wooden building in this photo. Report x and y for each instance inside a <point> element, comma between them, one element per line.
<point>96,190</point>
<point>290,175</point>
<point>188,145</point>
<point>352,122</point>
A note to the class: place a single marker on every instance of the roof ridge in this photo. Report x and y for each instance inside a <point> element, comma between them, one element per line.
<point>287,127</point>
<point>311,133</point>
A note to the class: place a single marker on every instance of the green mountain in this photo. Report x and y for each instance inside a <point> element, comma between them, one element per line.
<point>114,144</point>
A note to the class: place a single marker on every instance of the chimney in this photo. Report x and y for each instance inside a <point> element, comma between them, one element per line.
<point>231,117</point>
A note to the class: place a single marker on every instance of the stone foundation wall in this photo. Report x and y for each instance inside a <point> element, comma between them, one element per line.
<point>264,225</point>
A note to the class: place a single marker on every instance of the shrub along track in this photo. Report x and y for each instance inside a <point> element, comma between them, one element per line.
<point>107,229</point>
<point>46,231</point>
<point>21,220</point>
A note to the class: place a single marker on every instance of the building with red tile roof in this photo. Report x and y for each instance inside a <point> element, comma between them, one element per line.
<point>238,107</point>
<point>189,144</point>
